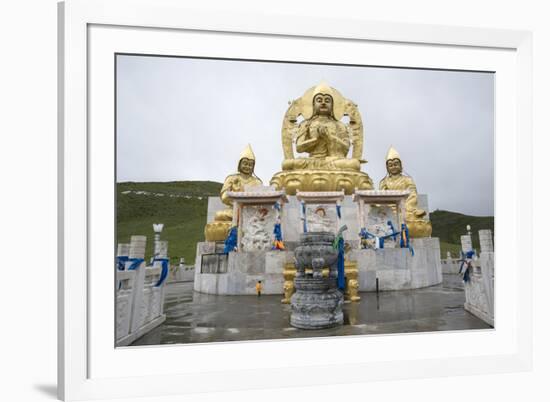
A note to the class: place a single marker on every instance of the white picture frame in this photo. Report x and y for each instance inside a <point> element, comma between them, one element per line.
<point>90,32</point>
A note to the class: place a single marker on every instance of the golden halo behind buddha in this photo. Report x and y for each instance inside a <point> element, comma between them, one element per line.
<point>306,101</point>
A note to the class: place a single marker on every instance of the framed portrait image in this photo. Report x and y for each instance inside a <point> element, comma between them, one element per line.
<point>216,202</point>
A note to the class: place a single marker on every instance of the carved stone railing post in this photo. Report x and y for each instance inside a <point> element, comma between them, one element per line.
<point>123,250</point>
<point>466,243</point>
<point>161,251</point>
<point>125,286</point>
<point>486,240</point>
<point>487,262</point>
<point>479,289</point>
<point>157,228</point>
<point>137,250</point>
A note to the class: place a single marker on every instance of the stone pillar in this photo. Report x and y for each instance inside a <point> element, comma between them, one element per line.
<point>486,241</point>
<point>137,247</point>
<point>157,227</point>
<point>137,250</point>
<point>123,250</point>
<point>466,241</point>
<point>161,251</point>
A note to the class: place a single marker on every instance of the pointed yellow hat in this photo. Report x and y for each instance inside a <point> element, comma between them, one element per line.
<point>392,154</point>
<point>247,153</point>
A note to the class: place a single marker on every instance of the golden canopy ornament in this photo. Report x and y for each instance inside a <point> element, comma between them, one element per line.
<point>313,124</point>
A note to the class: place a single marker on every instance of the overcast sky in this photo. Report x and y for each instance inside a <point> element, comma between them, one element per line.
<point>189,119</point>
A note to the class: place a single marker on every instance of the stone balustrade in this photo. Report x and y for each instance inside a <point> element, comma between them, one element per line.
<point>139,296</point>
<point>182,272</point>
<point>480,287</point>
<point>450,265</point>
<point>466,243</point>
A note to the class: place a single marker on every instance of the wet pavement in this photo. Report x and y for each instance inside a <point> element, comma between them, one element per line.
<point>193,317</point>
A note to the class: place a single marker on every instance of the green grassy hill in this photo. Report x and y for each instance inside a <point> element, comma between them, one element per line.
<point>182,207</point>
<point>449,226</point>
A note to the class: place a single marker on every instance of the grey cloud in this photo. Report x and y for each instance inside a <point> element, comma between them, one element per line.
<point>189,119</point>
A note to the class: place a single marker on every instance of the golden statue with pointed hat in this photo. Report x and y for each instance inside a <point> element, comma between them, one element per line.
<point>334,149</point>
<point>218,230</point>
<point>417,223</point>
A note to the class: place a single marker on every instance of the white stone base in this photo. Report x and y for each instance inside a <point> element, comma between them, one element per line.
<point>395,268</point>
<point>244,270</point>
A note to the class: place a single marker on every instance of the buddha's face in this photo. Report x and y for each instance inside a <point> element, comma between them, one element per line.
<point>322,104</point>
<point>246,166</point>
<point>393,166</point>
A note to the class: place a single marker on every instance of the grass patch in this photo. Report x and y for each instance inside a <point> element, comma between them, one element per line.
<point>178,206</point>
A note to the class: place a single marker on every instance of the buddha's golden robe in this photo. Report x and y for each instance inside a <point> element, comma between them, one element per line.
<point>326,151</point>
<point>236,182</point>
<point>418,225</point>
<point>402,182</point>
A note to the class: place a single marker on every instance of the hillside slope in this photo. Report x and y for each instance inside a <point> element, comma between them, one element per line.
<point>182,206</point>
<point>449,226</point>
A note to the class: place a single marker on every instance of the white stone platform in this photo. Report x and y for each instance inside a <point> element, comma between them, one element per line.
<point>395,268</point>
<point>241,271</point>
<point>238,272</point>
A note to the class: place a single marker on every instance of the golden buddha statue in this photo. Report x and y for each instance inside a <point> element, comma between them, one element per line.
<point>418,224</point>
<point>218,230</point>
<point>327,140</point>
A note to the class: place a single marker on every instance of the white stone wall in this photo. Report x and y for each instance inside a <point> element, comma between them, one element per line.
<point>397,268</point>
<point>244,269</point>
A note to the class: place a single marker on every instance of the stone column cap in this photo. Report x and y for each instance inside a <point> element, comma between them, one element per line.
<point>381,196</point>
<point>255,197</point>
<point>320,196</point>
